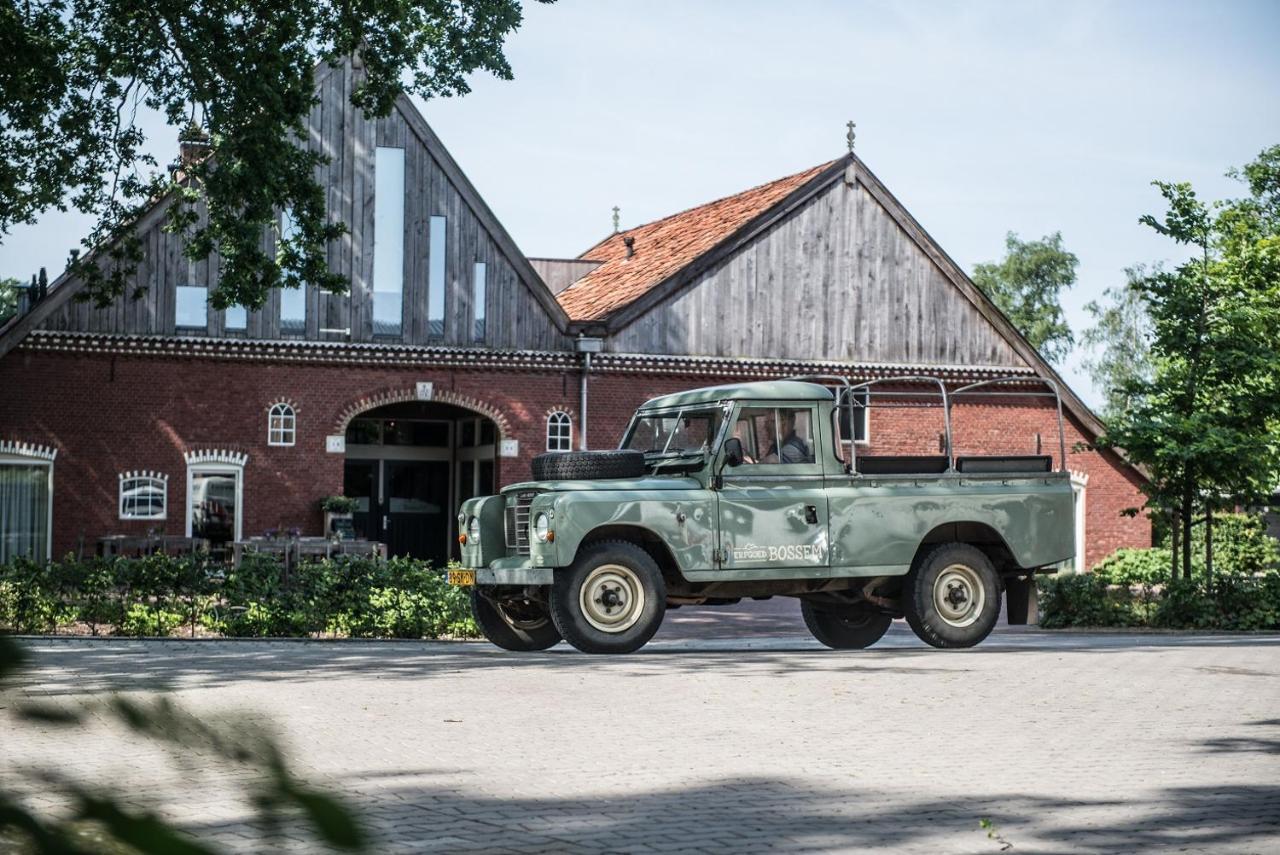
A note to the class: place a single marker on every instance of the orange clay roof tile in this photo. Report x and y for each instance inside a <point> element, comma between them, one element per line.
<point>666,246</point>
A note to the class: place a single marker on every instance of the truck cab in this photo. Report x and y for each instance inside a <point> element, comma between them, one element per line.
<point>751,490</point>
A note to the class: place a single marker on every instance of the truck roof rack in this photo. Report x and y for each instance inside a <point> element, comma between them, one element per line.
<point>845,396</point>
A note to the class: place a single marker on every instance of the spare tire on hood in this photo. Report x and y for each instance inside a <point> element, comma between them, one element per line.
<point>588,465</point>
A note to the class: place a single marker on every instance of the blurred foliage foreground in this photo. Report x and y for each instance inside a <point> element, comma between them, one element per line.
<point>98,820</point>
<point>159,595</point>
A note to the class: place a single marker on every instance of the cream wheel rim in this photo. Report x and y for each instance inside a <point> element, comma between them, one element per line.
<point>959,595</point>
<point>612,598</point>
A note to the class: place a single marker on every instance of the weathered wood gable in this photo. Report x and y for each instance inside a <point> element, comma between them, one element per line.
<point>520,311</point>
<point>838,278</point>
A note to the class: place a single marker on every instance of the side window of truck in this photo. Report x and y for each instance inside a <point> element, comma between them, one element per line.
<point>773,435</point>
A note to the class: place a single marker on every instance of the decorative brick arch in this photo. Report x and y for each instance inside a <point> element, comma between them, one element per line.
<point>402,395</point>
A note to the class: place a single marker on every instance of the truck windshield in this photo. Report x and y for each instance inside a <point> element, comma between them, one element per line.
<point>674,434</point>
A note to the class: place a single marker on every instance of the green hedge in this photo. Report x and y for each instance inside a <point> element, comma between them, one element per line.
<point>158,595</point>
<point>1131,587</point>
<point>1233,602</point>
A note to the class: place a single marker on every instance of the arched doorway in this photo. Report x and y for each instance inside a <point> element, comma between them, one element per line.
<point>409,466</point>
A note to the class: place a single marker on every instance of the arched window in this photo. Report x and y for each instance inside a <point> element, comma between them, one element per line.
<point>143,495</point>
<point>281,424</point>
<point>559,432</point>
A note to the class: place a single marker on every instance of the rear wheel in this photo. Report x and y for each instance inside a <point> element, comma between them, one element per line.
<point>952,596</point>
<point>610,600</point>
<point>514,624</point>
<point>845,627</point>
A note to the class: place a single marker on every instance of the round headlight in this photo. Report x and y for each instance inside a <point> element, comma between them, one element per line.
<point>473,529</point>
<point>541,524</point>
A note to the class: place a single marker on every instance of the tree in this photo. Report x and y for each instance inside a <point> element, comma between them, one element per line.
<point>1027,286</point>
<point>1207,422</point>
<point>238,77</point>
<point>1120,339</point>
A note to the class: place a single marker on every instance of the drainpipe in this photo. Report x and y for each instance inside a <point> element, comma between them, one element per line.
<point>585,345</point>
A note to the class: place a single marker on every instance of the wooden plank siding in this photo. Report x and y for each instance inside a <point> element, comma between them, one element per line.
<point>838,279</point>
<point>519,318</point>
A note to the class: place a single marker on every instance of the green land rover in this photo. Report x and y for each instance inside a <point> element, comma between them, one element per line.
<point>755,490</point>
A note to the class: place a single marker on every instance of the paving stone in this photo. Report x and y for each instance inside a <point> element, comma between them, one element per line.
<point>1070,742</point>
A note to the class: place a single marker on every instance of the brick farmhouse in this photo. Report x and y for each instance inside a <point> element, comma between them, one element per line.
<point>455,359</point>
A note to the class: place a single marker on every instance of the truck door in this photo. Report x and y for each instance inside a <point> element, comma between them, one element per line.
<point>773,508</point>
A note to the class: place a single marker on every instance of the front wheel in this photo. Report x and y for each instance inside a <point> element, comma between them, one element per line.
<point>846,627</point>
<point>514,624</point>
<point>952,596</point>
<point>610,600</point>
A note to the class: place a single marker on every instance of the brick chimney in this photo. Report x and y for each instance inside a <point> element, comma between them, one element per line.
<point>193,147</point>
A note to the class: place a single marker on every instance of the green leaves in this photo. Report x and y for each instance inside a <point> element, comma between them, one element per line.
<point>76,73</point>
<point>1206,421</point>
<point>1027,286</point>
<point>1120,342</point>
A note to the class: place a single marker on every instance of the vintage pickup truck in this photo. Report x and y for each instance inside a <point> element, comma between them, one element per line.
<point>751,490</point>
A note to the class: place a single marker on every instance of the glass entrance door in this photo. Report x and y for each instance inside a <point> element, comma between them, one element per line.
<point>417,508</point>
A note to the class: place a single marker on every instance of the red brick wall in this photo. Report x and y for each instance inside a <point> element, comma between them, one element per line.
<point>110,414</point>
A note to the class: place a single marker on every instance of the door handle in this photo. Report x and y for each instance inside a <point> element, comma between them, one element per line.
<point>811,514</point>
<point>386,522</point>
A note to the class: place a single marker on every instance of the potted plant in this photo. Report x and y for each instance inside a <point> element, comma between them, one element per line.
<point>338,512</point>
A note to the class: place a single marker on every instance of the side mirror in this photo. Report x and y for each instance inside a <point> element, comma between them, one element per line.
<point>733,455</point>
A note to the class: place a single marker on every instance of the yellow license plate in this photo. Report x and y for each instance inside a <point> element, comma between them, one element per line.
<point>464,578</point>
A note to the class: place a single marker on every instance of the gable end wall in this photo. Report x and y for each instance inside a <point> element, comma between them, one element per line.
<point>838,279</point>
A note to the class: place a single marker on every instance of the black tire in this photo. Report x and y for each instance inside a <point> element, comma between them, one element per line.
<point>612,569</point>
<point>850,627</point>
<point>520,625</point>
<point>588,465</point>
<point>959,571</point>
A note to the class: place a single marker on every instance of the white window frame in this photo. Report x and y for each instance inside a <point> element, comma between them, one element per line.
<point>26,454</point>
<point>155,478</point>
<point>1079,486</point>
<point>217,463</point>
<point>286,432</point>
<point>558,419</point>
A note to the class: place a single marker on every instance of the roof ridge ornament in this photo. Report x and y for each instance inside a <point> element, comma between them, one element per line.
<point>617,219</point>
<point>850,136</point>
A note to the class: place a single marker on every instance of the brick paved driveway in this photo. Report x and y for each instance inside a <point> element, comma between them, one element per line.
<point>728,737</point>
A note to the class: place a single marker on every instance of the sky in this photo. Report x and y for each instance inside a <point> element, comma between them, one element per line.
<point>982,118</point>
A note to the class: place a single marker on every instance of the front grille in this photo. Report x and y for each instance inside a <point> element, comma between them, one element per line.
<point>517,521</point>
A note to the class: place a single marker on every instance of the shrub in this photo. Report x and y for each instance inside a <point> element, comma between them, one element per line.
<point>1085,599</point>
<point>1241,545</point>
<point>28,598</point>
<point>142,620</point>
<point>1233,602</point>
<point>155,594</point>
<point>1134,567</point>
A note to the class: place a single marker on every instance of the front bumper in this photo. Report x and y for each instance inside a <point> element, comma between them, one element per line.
<point>513,571</point>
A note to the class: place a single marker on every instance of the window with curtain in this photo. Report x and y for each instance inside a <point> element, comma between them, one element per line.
<point>143,496</point>
<point>559,432</point>
<point>281,424</point>
<point>25,496</point>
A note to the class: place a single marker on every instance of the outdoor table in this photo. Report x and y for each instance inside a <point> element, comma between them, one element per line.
<point>293,550</point>
<point>169,544</point>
